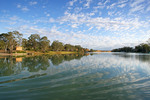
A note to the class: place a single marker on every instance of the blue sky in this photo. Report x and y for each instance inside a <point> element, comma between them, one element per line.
<point>96,24</point>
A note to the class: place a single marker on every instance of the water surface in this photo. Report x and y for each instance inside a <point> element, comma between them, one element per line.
<point>112,76</point>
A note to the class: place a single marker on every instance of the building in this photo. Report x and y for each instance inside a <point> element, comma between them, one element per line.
<point>19,48</point>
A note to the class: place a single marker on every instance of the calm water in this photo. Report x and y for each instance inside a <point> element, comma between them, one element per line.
<point>110,76</point>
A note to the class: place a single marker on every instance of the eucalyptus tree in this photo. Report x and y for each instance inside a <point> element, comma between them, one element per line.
<point>44,44</point>
<point>67,47</point>
<point>57,46</point>
<point>25,43</point>
<point>34,42</point>
<point>10,40</point>
<point>4,41</point>
<point>78,48</point>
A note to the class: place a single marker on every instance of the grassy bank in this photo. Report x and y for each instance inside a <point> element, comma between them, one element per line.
<point>61,52</point>
<point>38,53</point>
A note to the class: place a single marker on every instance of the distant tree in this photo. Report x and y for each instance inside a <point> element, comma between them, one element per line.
<point>17,37</point>
<point>44,44</point>
<point>34,42</point>
<point>67,47</point>
<point>124,49</point>
<point>10,40</point>
<point>57,46</point>
<point>78,48</point>
<point>25,43</point>
<point>91,50</point>
<point>2,45</point>
<point>144,48</point>
<point>4,41</point>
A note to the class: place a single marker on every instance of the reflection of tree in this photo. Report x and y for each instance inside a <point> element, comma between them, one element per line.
<point>34,64</point>
<point>8,66</point>
<point>58,59</point>
<point>143,58</point>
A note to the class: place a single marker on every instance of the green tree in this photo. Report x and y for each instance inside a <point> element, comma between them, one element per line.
<point>17,37</point>
<point>34,42</point>
<point>91,50</point>
<point>67,47</point>
<point>57,46</point>
<point>78,48</point>
<point>25,43</point>
<point>144,48</point>
<point>4,41</point>
<point>44,44</point>
<point>11,41</point>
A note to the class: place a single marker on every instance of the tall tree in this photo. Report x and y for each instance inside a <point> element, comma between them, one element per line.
<point>57,46</point>
<point>10,40</point>
<point>25,43</point>
<point>67,47</point>
<point>4,41</point>
<point>44,43</point>
<point>78,48</point>
<point>33,41</point>
<point>17,37</point>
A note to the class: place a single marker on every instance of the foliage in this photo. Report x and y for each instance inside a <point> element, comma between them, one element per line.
<point>57,46</point>
<point>143,48</point>
<point>91,50</point>
<point>44,44</point>
<point>9,41</point>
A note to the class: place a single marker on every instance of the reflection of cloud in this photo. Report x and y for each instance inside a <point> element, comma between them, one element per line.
<point>105,64</point>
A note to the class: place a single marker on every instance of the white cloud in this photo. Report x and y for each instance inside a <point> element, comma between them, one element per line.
<point>48,15</point>
<point>111,6</point>
<point>18,6</point>
<point>24,9</point>
<point>51,20</point>
<point>122,5</point>
<point>32,3</point>
<point>88,2</point>
<point>137,8</point>
<point>72,2</point>
<point>74,25</point>
<point>14,18</point>
<point>136,2</point>
<point>100,22</point>
<point>136,5</point>
<point>148,8</point>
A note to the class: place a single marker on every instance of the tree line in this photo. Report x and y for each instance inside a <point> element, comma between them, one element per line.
<point>9,41</point>
<point>141,48</point>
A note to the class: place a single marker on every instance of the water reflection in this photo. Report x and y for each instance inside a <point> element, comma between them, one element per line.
<point>13,65</point>
<point>141,57</point>
<point>70,77</point>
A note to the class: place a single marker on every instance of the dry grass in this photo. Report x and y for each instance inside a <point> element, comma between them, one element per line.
<point>61,52</point>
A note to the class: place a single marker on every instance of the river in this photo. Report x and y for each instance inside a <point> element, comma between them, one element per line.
<point>97,76</point>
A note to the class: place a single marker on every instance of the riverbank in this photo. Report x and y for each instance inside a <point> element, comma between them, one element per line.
<point>37,53</point>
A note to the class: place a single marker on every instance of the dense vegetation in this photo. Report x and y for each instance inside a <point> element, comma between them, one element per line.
<point>142,48</point>
<point>9,41</point>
